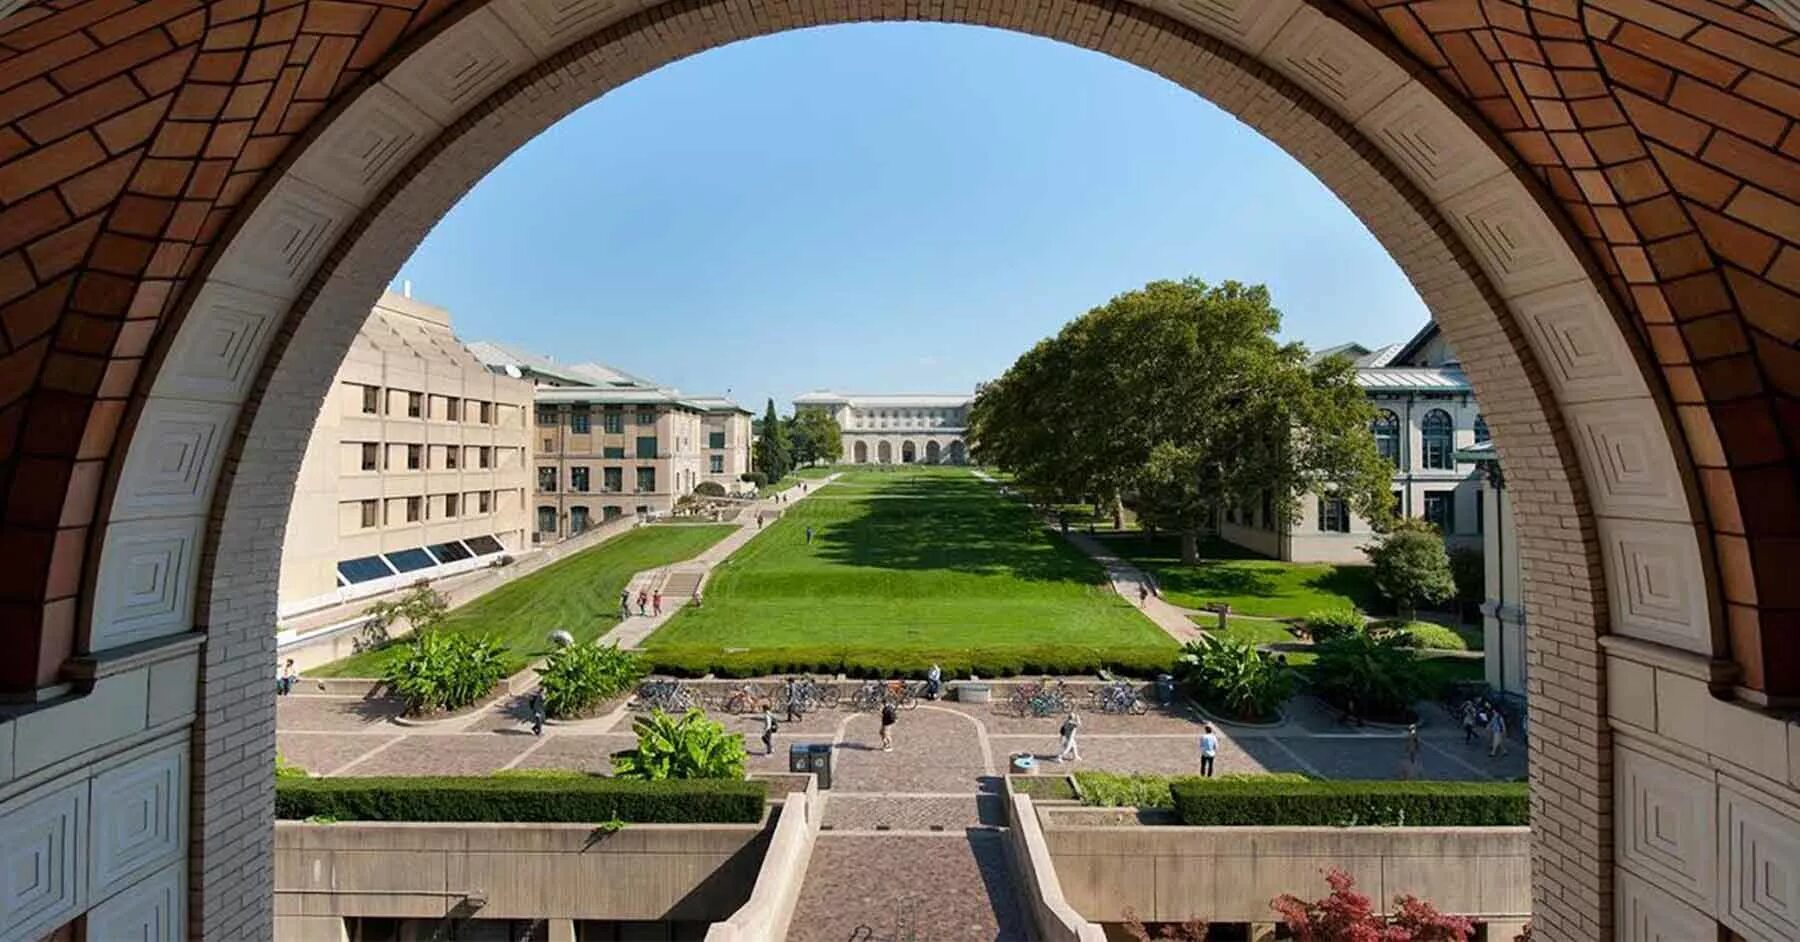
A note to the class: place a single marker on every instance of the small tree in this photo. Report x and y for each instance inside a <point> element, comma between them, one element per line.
<point>1411,566</point>
<point>772,451</point>
<point>816,437</point>
<point>422,608</point>
<point>1348,916</point>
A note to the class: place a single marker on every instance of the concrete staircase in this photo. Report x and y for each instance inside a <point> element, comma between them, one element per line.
<point>678,585</point>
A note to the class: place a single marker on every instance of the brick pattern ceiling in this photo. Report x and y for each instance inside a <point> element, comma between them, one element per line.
<point>131,130</point>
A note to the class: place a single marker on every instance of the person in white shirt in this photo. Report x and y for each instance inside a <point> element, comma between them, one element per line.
<point>1070,727</point>
<point>1209,750</point>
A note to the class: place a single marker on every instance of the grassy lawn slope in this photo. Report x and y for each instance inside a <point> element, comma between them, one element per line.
<point>579,594</point>
<point>916,562</point>
<point>1252,584</point>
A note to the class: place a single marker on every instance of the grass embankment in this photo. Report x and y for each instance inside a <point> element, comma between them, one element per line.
<point>1250,584</point>
<point>579,594</point>
<point>909,566</point>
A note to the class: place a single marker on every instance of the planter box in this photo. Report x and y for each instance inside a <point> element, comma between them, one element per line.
<point>974,692</point>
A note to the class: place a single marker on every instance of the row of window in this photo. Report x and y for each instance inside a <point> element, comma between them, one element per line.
<point>612,480</point>
<point>581,421</point>
<point>1437,436</point>
<point>580,518</point>
<point>424,507</point>
<point>425,457</point>
<point>644,448</point>
<point>368,568</point>
<point>1440,511</point>
<point>417,405</point>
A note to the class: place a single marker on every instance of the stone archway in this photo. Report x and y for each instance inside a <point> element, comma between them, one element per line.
<point>168,275</point>
<point>884,452</point>
<point>908,452</point>
<point>861,452</point>
<point>932,453</point>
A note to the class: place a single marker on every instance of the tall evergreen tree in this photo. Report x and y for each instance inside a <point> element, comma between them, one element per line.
<point>773,455</point>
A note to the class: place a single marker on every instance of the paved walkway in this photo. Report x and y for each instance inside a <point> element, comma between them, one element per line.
<point>680,581</point>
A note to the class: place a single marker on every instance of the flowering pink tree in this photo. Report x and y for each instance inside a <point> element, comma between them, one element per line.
<point>1349,916</point>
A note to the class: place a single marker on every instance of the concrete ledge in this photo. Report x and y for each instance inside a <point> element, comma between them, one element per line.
<point>1053,919</point>
<point>770,909</point>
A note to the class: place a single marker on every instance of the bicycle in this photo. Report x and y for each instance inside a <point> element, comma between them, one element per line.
<point>866,697</point>
<point>808,696</point>
<point>745,699</point>
<point>1040,699</point>
<point>1118,697</point>
<point>669,696</point>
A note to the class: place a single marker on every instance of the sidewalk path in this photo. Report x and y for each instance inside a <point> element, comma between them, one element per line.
<point>679,582</point>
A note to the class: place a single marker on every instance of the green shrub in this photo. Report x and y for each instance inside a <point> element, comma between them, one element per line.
<point>1254,801</point>
<point>576,678</point>
<point>1117,790</point>
<point>1411,566</point>
<point>709,489</point>
<point>1334,623</point>
<point>286,769</point>
<point>680,661</point>
<point>558,798</point>
<point>690,746</point>
<point>442,671</point>
<point>757,478</point>
<point>1423,634</point>
<point>1234,677</point>
<point>422,608</point>
<point>1379,677</point>
<point>1044,787</point>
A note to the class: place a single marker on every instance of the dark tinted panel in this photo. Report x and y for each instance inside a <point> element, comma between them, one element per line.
<point>409,560</point>
<point>363,569</point>
<point>449,552</point>
<point>483,545</point>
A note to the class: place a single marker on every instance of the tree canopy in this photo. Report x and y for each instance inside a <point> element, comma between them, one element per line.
<point>815,437</point>
<point>1178,399</point>
<point>773,455</point>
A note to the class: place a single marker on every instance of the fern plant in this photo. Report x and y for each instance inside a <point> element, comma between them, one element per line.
<point>688,746</point>
<point>576,678</point>
<point>442,671</point>
<point>1234,676</point>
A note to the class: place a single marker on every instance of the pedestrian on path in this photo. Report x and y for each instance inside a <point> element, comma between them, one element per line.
<point>643,601</point>
<point>889,716</point>
<point>769,728</point>
<point>1070,727</point>
<point>934,682</point>
<point>537,712</point>
<point>285,685</point>
<point>656,603</point>
<point>1209,750</point>
<point>759,520</point>
<point>1469,722</point>
<point>792,695</point>
<point>1409,766</point>
<point>1496,727</point>
<point>1143,595</point>
<point>809,536</point>
<point>625,602</point>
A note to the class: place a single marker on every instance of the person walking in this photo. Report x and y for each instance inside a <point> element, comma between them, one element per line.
<point>285,684</point>
<point>1468,722</point>
<point>1070,727</point>
<point>889,716</point>
<point>759,520</point>
<point>1409,766</point>
<point>934,682</point>
<point>656,603</point>
<point>537,712</point>
<point>643,601</point>
<point>1209,750</point>
<point>768,733</point>
<point>1496,727</point>
<point>809,536</point>
<point>1143,595</point>
<point>791,693</point>
<point>625,602</point>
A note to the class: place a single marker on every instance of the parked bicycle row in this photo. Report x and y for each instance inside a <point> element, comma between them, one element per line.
<point>803,695</point>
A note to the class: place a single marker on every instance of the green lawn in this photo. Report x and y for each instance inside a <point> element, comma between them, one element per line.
<point>579,594</point>
<point>1251,584</point>
<point>913,562</point>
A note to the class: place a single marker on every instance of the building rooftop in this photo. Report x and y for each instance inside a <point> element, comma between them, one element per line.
<point>499,356</point>
<point>825,397</point>
<point>1413,379</point>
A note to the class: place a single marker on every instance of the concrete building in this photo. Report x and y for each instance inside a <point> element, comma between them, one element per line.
<point>415,469</point>
<point>897,429</point>
<point>1426,411</point>
<point>606,443</point>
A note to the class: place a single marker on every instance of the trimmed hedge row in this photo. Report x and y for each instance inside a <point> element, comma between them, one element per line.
<point>1038,660</point>
<point>560,799</point>
<point>1251,801</point>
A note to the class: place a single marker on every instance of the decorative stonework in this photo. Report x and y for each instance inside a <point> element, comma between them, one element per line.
<point>1579,345</point>
<point>549,25</point>
<point>150,911</point>
<point>43,843</point>
<point>139,819</point>
<point>1321,55</point>
<point>1427,140</point>
<point>1650,581</point>
<point>173,474</point>
<point>461,66</point>
<point>1759,876</point>
<point>150,567</point>
<point>1515,244</point>
<point>1246,24</point>
<point>216,353</point>
<point>361,151</point>
<point>1664,817</point>
<point>285,240</point>
<point>1626,459</point>
<point>1648,914</point>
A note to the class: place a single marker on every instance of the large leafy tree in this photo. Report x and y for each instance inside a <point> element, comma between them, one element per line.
<point>773,455</point>
<point>1178,398</point>
<point>1411,566</point>
<point>815,437</point>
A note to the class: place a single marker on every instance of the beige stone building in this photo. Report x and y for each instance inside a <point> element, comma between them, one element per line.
<point>896,428</point>
<point>416,467</point>
<point>606,443</point>
<point>1425,412</point>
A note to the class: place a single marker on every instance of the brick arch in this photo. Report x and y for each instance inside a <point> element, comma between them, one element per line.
<point>1418,114</point>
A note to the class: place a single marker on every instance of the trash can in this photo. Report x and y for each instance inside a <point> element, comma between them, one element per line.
<point>814,757</point>
<point>1165,689</point>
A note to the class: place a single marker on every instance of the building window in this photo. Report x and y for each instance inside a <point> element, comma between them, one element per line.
<point>578,480</point>
<point>450,504</point>
<point>611,512</point>
<point>546,417</point>
<point>580,423</point>
<point>612,480</point>
<point>613,451</point>
<point>371,404</point>
<point>1436,433</point>
<point>549,444</point>
<point>1481,430</point>
<point>613,423</point>
<point>371,453</point>
<point>453,409</point>
<point>646,418</point>
<point>451,458</point>
<point>715,440</point>
<point>1334,516</point>
<point>546,479</point>
<point>646,446</point>
<point>578,520</point>
<point>484,501</point>
<point>1400,508</point>
<point>546,522</point>
<point>415,404</point>
<point>415,456</point>
<point>486,411</point>
<point>484,457</point>
<point>1386,428</point>
<point>370,511</point>
<point>1440,510</point>
<point>646,480</point>
<point>413,509</point>
<point>717,464</point>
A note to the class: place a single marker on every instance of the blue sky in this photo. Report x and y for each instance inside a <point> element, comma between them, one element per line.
<point>885,208</point>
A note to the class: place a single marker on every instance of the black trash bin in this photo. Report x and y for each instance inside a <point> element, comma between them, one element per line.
<point>814,757</point>
<point>1165,689</point>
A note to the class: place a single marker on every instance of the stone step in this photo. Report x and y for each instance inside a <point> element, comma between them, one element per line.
<point>880,886</point>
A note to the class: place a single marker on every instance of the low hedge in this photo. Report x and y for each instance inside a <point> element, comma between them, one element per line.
<point>1250,801</point>
<point>551,798</point>
<point>1036,660</point>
